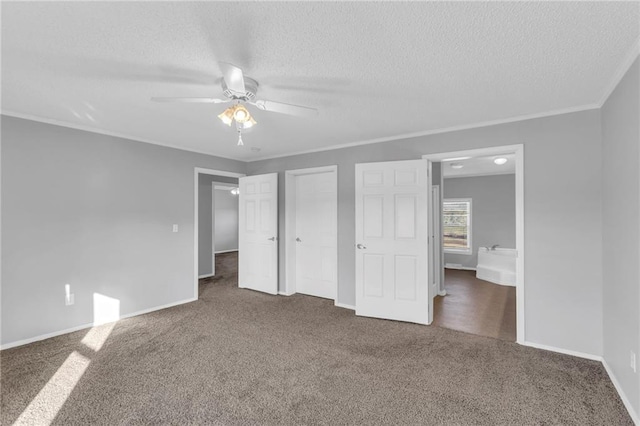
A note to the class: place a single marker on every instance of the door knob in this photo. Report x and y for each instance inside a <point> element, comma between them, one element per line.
<point>298,240</point>
<point>360,247</point>
<point>272,239</point>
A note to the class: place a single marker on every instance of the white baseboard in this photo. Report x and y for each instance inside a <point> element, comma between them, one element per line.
<point>616,384</point>
<point>614,380</point>
<point>460,268</point>
<point>284,293</point>
<point>224,251</point>
<point>625,400</point>
<point>89,325</point>
<point>562,351</point>
<point>345,306</point>
<point>205,276</point>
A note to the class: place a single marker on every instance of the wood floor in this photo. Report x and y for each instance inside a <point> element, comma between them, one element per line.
<point>476,306</point>
<point>471,305</point>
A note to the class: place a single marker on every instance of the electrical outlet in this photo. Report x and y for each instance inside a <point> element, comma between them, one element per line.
<point>175,228</point>
<point>633,361</point>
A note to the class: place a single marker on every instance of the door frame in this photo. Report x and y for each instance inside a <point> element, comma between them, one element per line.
<point>290,226</point>
<point>197,171</point>
<point>518,150</point>
<point>436,231</point>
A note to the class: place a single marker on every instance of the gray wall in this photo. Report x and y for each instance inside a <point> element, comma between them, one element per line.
<point>96,212</point>
<point>562,175</point>
<point>226,220</point>
<point>621,231</point>
<point>110,204</point>
<point>207,219</point>
<point>493,212</point>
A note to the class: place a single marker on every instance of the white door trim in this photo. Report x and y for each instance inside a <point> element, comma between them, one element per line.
<point>518,150</point>
<point>196,172</point>
<point>213,230</point>
<point>436,235</point>
<point>290,225</point>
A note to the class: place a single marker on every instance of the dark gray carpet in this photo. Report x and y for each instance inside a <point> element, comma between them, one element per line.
<point>241,357</point>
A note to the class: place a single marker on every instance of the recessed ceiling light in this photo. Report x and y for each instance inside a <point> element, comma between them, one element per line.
<point>456,165</point>
<point>500,161</point>
<point>456,159</point>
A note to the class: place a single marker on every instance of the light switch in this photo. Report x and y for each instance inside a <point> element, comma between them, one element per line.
<point>175,228</point>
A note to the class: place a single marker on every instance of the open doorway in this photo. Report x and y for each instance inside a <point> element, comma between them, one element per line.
<point>225,230</point>
<point>477,230</point>
<point>216,226</point>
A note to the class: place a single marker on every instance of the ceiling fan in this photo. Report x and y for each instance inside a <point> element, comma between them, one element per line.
<point>240,90</point>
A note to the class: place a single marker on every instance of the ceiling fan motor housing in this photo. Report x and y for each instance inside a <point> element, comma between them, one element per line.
<point>251,88</point>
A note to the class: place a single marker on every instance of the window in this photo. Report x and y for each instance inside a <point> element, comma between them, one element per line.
<point>456,224</point>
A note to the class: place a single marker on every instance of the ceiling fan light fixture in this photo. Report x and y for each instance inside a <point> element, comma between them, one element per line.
<point>241,91</point>
<point>248,124</point>
<point>227,116</point>
<point>240,114</point>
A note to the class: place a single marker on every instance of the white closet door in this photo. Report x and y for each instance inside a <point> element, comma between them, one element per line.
<point>258,233</point>
<point>391,241</point>
<point>316,235</point>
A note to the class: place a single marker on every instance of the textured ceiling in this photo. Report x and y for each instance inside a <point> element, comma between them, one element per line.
<point>374,70</point>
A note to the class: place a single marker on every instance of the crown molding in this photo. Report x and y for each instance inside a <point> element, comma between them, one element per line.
<point>90,129</point>
<point>622,69</point>
<point>437,131</point>
<point>311,151</point>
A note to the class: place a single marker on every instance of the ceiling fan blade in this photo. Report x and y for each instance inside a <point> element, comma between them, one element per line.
<point>192,100</point>
<point>283,108</point>
<point>233,77</point>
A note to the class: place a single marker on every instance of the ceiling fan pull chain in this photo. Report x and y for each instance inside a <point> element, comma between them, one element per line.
<point>240,143</point>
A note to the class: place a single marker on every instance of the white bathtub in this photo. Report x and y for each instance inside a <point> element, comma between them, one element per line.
<point>497,266</point>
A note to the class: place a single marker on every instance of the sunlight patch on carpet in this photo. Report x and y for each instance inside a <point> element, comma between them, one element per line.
<point>46,405</point>
<point>44,408</point>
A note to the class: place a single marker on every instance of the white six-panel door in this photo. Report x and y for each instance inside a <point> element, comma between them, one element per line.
<point>258,233</point>
<point>391,241</point>
<point>315,224</point>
